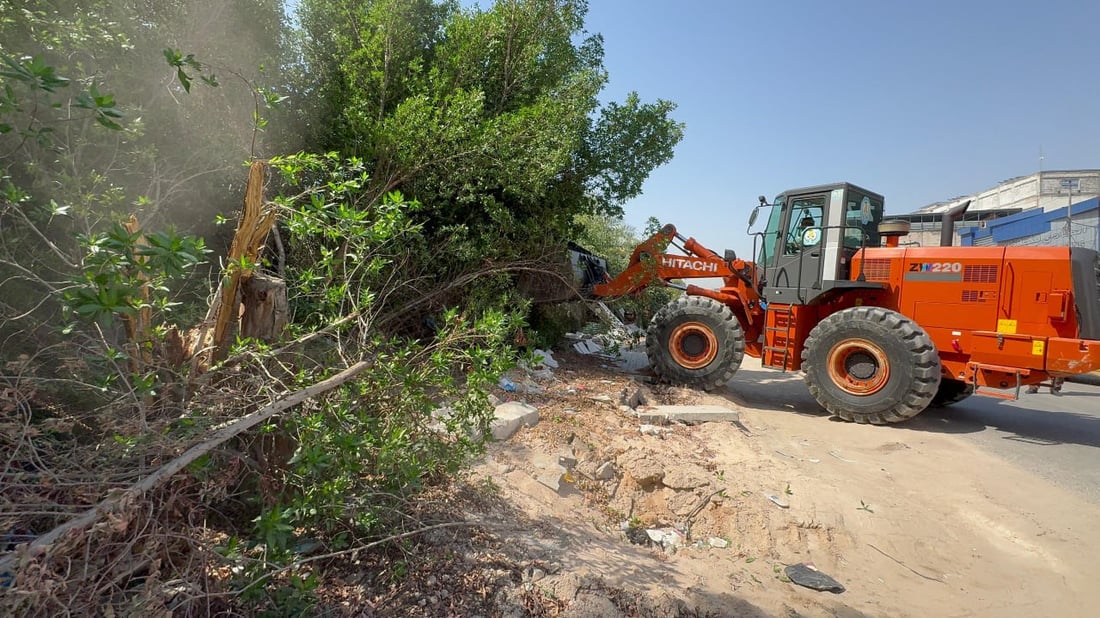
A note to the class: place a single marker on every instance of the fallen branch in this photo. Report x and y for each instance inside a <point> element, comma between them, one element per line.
<point>162,474</point>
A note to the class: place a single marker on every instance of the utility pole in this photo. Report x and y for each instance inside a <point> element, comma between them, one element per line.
<point>1039,180</point>
<point>1069,184</point>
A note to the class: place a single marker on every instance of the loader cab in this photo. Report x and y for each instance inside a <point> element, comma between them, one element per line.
<point>810,235</point>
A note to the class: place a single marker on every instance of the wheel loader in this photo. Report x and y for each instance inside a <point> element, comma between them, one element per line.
<point>880,329</point>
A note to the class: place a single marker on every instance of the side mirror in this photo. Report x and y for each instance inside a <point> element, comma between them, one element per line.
<point>755,213</point>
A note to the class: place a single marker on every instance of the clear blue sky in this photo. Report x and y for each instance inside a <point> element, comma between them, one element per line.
<point>919,101</point>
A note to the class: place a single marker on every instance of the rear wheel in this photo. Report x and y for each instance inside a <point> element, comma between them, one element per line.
<point>697,341</point>
<point>951,392</point>
<point>871,365</point>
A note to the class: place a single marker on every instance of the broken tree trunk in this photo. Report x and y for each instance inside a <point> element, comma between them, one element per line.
<point>265,308</point>
<point>212,337</point>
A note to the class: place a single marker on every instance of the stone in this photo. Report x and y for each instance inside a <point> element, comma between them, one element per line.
<point>605,472</point>
<point>649,430</point>
<point>633,399</point>
<point>718,542</point>
<point>687,414</point>
<point>510,417</point>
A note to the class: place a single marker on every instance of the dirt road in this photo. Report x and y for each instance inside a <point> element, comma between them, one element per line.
<point>912,521</point>
<point>1054,436</point>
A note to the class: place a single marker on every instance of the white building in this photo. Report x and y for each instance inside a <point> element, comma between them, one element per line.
<point>1041,209</point>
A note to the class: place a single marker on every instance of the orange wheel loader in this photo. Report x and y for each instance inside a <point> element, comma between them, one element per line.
<point>881,331</point>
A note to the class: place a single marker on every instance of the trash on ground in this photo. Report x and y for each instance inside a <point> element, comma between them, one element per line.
<point>544,357</point>
<point>668,538</point>
<point>780,502</point>
<point>806,574</point>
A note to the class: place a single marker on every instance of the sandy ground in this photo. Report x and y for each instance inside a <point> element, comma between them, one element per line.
<point>929,526</point>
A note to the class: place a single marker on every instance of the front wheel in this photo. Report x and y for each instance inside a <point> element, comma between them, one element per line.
<point>697,341</point>
<point>871,365</point>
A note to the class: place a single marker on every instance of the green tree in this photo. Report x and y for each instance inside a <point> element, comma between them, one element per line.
<point>487,117</point>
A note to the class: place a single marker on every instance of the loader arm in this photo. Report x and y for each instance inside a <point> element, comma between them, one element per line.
<point>650,265</point>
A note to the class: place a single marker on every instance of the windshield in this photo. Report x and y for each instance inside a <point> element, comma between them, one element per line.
<point>770,231</point>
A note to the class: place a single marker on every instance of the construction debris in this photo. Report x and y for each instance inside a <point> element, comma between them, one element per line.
<point>510,417</point>
<point>662,415</point>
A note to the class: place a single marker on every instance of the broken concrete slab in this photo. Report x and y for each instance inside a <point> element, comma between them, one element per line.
<point>556,478</point>
<point>567,461</point>
<point>510,417</point>
<point>687,414</point>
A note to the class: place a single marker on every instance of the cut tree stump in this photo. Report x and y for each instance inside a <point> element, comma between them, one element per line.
<point>265,308</point>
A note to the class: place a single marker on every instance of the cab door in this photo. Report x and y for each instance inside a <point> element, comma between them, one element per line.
<point>795,274</point>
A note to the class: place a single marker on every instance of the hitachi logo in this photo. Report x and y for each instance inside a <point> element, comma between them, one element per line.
<point>700,265</point>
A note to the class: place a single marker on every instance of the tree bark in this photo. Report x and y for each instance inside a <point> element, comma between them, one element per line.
<point>265,308</point>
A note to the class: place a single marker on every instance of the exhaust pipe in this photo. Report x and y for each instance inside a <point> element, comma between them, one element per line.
<point>947,223</point>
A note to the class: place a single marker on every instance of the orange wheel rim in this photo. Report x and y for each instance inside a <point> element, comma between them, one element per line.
<point>693,345</point>
<point>859,367</point>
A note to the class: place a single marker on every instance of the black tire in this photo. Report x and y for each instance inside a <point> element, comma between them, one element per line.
<point>871,365</point>
<point>697,341</point>
<point>951,392</point>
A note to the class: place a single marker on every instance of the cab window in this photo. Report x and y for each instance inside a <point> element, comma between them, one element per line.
<point>806,212</point>
<point>862,215</point>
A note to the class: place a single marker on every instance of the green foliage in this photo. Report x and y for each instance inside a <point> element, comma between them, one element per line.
<point>124,272</point>
<point>179,62</point>
<point>489,118</point>
<point>385,435</point>
<point>342,245</point>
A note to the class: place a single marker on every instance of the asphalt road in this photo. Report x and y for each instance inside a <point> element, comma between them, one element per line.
<point>1054,436</point>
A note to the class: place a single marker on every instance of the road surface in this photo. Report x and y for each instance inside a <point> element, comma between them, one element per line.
<point>1054,436</point>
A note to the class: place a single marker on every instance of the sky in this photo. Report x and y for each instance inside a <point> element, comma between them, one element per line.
<point>919,101</point>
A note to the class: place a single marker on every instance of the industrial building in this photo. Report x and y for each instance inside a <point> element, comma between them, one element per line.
<point>1046,208</point>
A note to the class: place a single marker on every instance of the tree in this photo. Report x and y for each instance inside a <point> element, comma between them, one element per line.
<point>489,118</point>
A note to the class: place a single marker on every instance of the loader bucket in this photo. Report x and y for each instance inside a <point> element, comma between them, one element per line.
<point>588,269</point>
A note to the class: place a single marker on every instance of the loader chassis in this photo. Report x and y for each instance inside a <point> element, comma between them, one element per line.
<point>880,332</point>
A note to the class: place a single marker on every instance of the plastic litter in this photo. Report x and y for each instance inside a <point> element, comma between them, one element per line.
<point>544,357</point>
